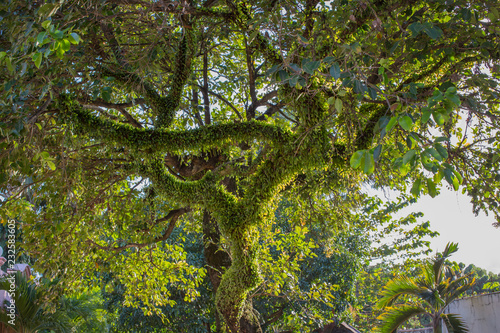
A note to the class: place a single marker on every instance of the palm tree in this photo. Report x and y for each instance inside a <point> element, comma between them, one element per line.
<point>30,314</point>
<point>428,295</point>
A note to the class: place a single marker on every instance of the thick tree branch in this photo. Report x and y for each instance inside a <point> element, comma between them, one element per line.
<point>256,103</point>
<point>207,137</point>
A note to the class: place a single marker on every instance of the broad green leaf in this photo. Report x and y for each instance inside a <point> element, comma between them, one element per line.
<point>431,187</point>
<point>391,124</point>
<point>369,165</point>
<point>409,156</point>
<point>37,59</point>
<point>416,188</point>
<point>438,118</point>
<point>451,178</point>
<point>335,71</point>
<point>311,66</point>
<point>441,150</point>
<point>51,165</point>
<point>434,32</point>
<point>405,122</point>
<point>46,24</point>
<point>438,176</point>
<point>66,45</point>
<point>8,63</point>
<point>41,37</point>
<point>331,100</point>
<point>426,114</point>
<point>283,75</point>
<point>415,28</point>
<point>434,153</point>
<point>338,105</point>
<point>356,159</point>
<point>329,59</point>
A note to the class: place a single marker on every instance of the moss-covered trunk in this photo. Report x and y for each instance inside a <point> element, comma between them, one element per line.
<point>218,261</point>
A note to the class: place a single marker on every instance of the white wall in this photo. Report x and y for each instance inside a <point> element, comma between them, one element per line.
<point>481,312</point>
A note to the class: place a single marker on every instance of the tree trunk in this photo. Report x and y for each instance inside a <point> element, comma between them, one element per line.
<point>437,324</point>
<point>218,261</point>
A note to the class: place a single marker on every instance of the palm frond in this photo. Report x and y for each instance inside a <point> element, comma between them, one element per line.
<point>454,323</point>
<point>438,263</point>
<point>396,316</point>
<point>456,289</point>
<point>400,286</point>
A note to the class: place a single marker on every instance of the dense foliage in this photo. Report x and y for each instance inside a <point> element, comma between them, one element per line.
<point>125,120</point>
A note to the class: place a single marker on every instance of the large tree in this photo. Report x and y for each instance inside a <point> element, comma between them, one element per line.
<point>121,116</point>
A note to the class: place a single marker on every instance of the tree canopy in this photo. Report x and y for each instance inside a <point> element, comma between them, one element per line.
<point>124,120</point>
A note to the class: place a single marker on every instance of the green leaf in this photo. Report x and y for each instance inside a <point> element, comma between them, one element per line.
<point>335,71</point>
<point>66,45</point>
<point>416,27</point>
<point>439,118</point>
<point>46,24</point>
<point>451,178</point>
<point>376,153</point>
<point>331,100</point>
<point>405,122</point>
<point>311,66</point>
<point>303,39</point>
<point>416,188</point>
<point>37,59</point>
<point>41,37</point>
<point>454,99</point>
<point>283,75</point>
<point>434,32</point>
<point>431,187</point>
<point>410,154</point>
<point>391,124</point>
<point>356,159</point>
<point>106,94</point>
<point>369,165</point>
<point>441,139</point>
<point>426,114</point>
<point>2,55</point>
<point>8,63</point>
<point>338,105</point>
<point>441,150</point>
<point>51,165</point>
<point>329,59</point>
<point>434,153</point>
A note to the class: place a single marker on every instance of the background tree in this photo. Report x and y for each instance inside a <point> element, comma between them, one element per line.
<point>35,314</point>
<point>429,295</point>
<point>119,117</point>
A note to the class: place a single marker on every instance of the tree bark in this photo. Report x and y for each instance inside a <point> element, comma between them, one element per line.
<point>218,261</point>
